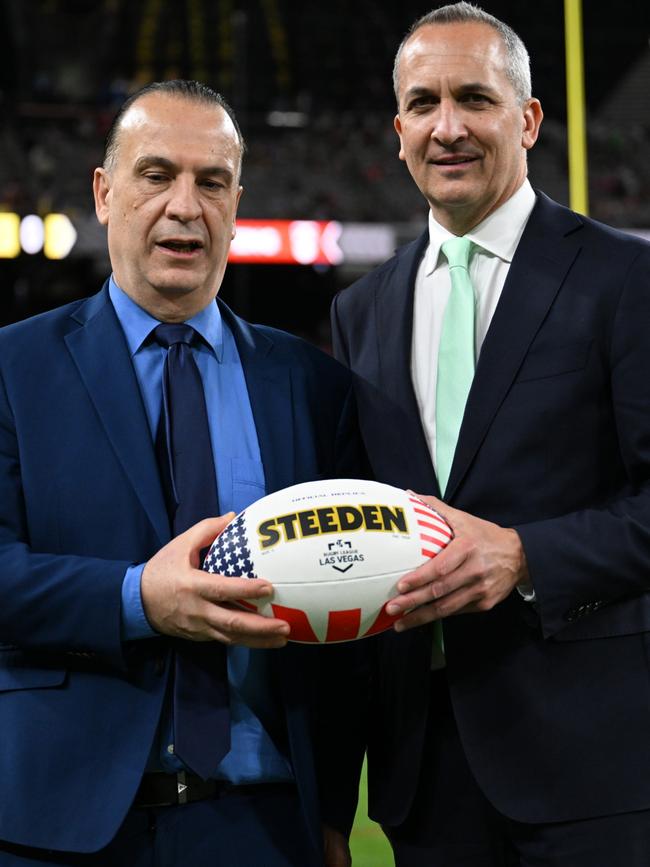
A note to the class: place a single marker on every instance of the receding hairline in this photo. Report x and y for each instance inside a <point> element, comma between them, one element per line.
<point>517,60</point>
<point>136,102</point>
<point>421,31</point>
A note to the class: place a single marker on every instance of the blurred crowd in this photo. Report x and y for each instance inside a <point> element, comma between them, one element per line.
<point>311,86</point>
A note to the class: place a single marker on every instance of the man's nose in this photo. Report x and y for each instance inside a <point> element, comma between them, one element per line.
<point>449,125</point>
<point>184,202</point>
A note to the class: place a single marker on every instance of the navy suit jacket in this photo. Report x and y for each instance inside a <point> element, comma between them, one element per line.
<point>552,700</point>
<point>80,500</point>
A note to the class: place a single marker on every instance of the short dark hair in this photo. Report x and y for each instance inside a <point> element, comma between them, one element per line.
<point>517,59</point>
<point>184,89</point>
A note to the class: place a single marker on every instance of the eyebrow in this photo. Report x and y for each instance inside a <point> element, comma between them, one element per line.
<point>417,91</point>
<point>151,160</point>
<point>476,86</point>
<point>468,87</point>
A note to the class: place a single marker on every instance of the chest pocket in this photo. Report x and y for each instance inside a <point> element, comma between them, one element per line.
<point>554,360</point>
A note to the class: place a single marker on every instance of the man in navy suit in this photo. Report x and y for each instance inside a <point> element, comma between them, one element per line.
<point>523,737</point>
<point>94,593</point>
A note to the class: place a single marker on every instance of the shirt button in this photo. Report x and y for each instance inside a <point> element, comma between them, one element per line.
<point>170,749</point>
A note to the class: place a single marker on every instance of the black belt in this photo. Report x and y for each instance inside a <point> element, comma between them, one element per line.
<point>158,789</point>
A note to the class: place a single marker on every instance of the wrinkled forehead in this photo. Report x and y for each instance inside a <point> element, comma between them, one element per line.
<point>175,121</point>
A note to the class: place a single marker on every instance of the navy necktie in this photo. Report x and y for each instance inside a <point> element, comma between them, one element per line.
<point>200,689</point>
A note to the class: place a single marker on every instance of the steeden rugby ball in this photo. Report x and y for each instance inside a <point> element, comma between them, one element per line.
<point>333,550</point>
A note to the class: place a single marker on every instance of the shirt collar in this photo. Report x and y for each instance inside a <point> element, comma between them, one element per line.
<point>498,234</point>
<point>137,324</point>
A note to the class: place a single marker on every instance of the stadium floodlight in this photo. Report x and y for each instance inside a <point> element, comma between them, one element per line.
<point>290,119</point>
<point>9,235</point>
<point>60,236</point>
<point>32,234</point>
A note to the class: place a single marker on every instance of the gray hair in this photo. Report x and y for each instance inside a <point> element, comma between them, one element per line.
<point>517,58</point>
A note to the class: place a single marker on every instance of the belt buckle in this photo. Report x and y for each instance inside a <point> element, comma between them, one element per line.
<point>181,787</point>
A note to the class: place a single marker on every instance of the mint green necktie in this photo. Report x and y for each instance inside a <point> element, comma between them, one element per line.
<point>456,356</point>
<point>456,363</point>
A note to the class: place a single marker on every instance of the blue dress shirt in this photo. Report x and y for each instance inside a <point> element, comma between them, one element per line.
<point>240,481</point>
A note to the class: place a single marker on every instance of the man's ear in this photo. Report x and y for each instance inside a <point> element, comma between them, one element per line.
<point>234,216</point>
<point>397,123</point>
<point>102,194</point>
<point>533,116</point>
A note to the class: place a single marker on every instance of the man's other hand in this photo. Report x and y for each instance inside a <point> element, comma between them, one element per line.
<point>182,600</point>
<point>480,567</point>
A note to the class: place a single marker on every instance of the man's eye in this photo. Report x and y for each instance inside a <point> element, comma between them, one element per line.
<point>212,185</point>
<point>155,177</point>
<point>421,102</point>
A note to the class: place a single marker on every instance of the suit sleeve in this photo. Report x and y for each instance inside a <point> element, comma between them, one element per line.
<point>591,564</point>
<point>50,602</point>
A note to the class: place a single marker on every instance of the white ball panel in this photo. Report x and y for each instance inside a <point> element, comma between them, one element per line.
<point>334,551</point>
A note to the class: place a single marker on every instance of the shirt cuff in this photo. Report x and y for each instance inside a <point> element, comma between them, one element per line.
<point>134,621</point>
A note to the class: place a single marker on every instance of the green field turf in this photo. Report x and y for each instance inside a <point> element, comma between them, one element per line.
<point>368,844</point>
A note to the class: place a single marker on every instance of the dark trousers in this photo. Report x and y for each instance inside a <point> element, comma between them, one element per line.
<point>258,830</point>
<point>451,822</point>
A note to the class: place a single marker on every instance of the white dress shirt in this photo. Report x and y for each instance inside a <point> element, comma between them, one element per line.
<point>497,237</point>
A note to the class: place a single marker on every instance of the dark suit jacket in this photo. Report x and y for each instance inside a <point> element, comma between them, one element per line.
<point>552,700</point>
<point>80,500</point>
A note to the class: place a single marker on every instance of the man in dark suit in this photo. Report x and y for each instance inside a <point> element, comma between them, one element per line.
<point>523,736</point>
<point>101,615</point>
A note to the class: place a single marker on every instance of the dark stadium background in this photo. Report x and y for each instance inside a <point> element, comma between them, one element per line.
<point>66,65</point>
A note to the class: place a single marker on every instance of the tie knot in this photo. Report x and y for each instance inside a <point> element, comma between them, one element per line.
<point>457,252</point>
<point>169,333</point>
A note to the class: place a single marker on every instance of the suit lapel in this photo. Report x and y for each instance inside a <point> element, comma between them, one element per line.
<point>100,353</point>
<point>269,389</point>
<point>540,265</point>
<point>394,311</point>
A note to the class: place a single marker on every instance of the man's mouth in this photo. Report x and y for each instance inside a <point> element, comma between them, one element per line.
<point>456,160</point>
<point>181,246</point>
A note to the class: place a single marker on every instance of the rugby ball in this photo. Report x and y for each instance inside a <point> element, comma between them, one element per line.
<point>333,550</point>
